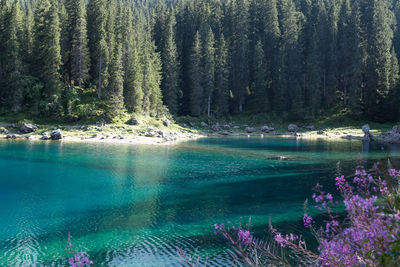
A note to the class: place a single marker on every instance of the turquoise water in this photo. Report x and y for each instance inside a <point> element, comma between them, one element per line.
<point>135,205</point>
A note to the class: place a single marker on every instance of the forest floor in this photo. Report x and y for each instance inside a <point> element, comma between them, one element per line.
<point>151,131</point>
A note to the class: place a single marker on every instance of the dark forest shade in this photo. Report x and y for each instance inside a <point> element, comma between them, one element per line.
<point>295,58</point>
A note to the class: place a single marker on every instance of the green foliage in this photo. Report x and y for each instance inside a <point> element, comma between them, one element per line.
<point>293,58</point>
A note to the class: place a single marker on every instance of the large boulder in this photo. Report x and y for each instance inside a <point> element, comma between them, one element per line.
<point>166,123</point>
<point>11,136</point>
<point>150,134</point>
<point>3,130</point>
<point>203,124</point>
<point>366,129</point>
<point>368,137</point>
<point>28,128</point>
<point>396,129</point>
<point>56,135</point>
<point>393,138</point>
<point>250,130</point>
<point>293,128</point>
<point>45,136</point>
<point>215,127</point>
<point>133,121</point>
<point>267,129</point>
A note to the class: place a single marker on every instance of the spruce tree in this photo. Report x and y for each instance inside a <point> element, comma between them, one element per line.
<point>47,57</point>
<point>77,54</point>
<point>221,94</point>
<point>259,99</point>
<point>378,43</point>
<point>270,40</point>
<point>240,45</point>
<point>208,65</point>
<point>151,61</point>
<point>114,93</point>
<point>196,88</point>
<point>170,65</point>
<point>349,56</point>
<point>11,63</point>
<point>133,92</point>
<point>99,50</point>
<point>288,95</point>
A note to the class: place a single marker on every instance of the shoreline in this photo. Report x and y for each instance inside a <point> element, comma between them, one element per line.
<point>171,135</point>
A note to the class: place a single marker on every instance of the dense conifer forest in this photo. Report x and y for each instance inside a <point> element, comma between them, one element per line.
<point>297,59</point>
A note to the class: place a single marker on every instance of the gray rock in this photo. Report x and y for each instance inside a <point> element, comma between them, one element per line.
<point>224,133</point>
<point>292,128</point>
<point>94,135</point>
<point>310,128</point>
<point>166,123</point>
<point>150,134</point>
<point>132,121</point>
<point>320,132</point>
<point>215,127</point>
<point>366,129</point>
<point>203,124</point>
<point>368,137</point>
<point>100,129</point>
<point>226,126</point>
<point>192,124</point>
<point>11,136</point>
<point>161,133</point>
<point>393,138</point>
<point>236,127</point>
<point>28,128</point>
<point>56,135</point>
<point>250,130</point>
<point>184,125</point>
<point>3,130</point>
<point>267,129</point>
<point>396,129</point>
<point>45,136</point>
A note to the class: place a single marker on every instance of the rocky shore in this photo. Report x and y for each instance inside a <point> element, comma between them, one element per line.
<point>166,133</point>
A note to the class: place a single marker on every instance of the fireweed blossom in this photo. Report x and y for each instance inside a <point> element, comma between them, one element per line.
<point>78,259</point>
<point>369,235</point>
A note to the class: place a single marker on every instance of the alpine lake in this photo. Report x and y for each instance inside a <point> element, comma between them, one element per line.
<point>131,205</point>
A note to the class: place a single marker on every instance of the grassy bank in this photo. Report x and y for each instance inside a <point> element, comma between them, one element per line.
<point>154,131</point>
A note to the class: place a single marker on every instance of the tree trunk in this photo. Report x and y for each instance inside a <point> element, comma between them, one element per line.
<point>208,105</point>
<point>99,86</point>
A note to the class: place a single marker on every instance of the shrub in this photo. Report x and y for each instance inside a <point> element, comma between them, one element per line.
<point>369,234</point>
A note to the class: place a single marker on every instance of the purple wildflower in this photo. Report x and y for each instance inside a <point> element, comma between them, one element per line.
<point>307,220</point>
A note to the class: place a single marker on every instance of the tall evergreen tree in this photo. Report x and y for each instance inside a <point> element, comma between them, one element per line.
<point>259,99</point>
<point>377,20</point>
<point>77,54</point>
<point>114,93</point>
<point>240,45</point>
<point>47,55</point>
<point>151,61</point>
<point>221,94</point>
<point>133,92</point>
<point>349,56</point>
<point>10,60</point>
<point>270,41</point>
<point>197,90</point>
<point>208,59</point>
<point>288,95</point>
<point>170,65</point>
<point>99,50</point>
